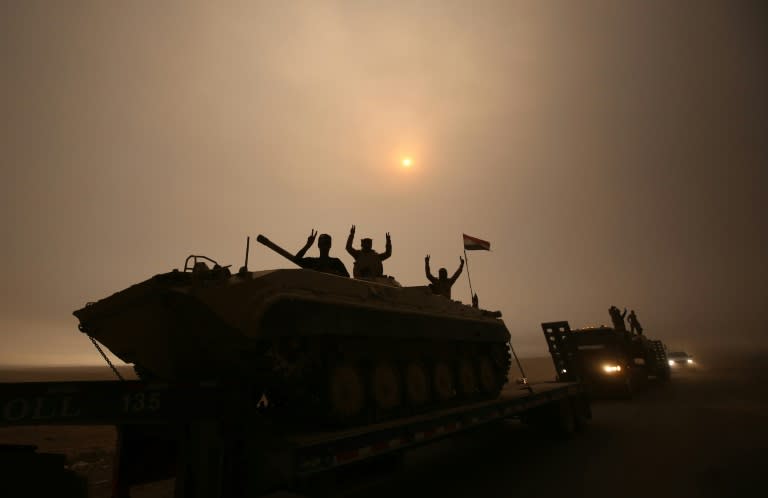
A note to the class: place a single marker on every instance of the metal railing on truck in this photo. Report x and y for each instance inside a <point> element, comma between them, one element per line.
<point>562,346</point>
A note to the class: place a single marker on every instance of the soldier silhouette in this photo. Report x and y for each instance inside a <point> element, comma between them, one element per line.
<point>324,263</point>
<point>367,261</point>
<point>442,285</point>
<point>617,318</point>
<point>475,301</point>
<point>634,325</point>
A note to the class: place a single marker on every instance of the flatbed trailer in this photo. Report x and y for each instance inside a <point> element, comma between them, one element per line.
<point>216,440</point>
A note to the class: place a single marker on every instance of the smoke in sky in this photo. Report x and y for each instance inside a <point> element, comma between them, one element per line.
<point>612,152</point>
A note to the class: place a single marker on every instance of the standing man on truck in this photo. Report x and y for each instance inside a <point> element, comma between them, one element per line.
<point>442,285</point>
<point>367,261</point>
<point>634,325</point>
<point>618,318</point>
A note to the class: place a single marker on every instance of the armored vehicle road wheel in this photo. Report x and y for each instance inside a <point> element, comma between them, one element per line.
<point>416,384</point>
<point>346,392</point>
<point>443,380</point>
<point>489,383</point>
<point>467,378</point>
<point>385,386</point>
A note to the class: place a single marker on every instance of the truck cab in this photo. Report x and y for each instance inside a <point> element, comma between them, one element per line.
<point>605,360</point>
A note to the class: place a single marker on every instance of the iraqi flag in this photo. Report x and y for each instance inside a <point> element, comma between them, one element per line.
<point>475,244</point>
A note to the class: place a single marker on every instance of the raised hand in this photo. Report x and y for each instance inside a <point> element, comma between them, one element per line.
<point>312,235</point>
<point>388,239</point>
<point>352,230</point>
<point>461,259</point>
<point>426,258</point>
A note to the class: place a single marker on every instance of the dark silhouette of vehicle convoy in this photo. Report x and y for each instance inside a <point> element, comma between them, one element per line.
<point>276,375</point>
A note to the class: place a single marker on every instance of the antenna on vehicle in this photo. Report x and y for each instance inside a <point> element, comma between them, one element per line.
<point>244,269</point>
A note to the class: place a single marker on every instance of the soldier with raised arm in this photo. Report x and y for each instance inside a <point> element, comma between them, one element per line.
<point>367,261</point>
<point>617,317</point>
<point>442,285</point>
<point>324,263</point>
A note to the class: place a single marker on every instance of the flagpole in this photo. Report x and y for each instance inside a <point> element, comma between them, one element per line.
<point>471,292</point>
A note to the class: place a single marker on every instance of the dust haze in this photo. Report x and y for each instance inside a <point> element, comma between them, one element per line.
<point>612,152</point>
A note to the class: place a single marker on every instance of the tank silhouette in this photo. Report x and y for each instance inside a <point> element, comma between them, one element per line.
<point>319,346</point>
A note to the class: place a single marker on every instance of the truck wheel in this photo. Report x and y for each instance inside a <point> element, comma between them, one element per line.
<point>566,420</point>
<point>582,413</point>
<point>628,389</point>
<point>555,419</point>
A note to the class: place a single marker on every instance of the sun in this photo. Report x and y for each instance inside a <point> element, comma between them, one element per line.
<point>407,162</point>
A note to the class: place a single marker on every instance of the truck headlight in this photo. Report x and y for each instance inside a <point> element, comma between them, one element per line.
<point>690,360</point>
<point>671,363</point>
<point>611,368</point>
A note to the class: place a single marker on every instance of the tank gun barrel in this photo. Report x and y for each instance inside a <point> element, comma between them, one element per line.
<point>279,250</point>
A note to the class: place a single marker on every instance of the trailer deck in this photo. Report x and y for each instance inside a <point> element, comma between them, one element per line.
<point>167,431</point>
<point>323,451</point>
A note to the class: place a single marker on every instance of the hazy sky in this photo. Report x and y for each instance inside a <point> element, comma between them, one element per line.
<point>612,152</point>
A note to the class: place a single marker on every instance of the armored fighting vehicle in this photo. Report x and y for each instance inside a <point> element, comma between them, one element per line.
<point>318,346</point>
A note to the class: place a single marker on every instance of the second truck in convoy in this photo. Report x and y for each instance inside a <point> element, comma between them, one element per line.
<point>606,360</point>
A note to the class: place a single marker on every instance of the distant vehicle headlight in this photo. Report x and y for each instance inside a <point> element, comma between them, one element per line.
<point>611,368</point>
<point>690,360</point>
<point>671,363</point>
<point>564,371</point>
